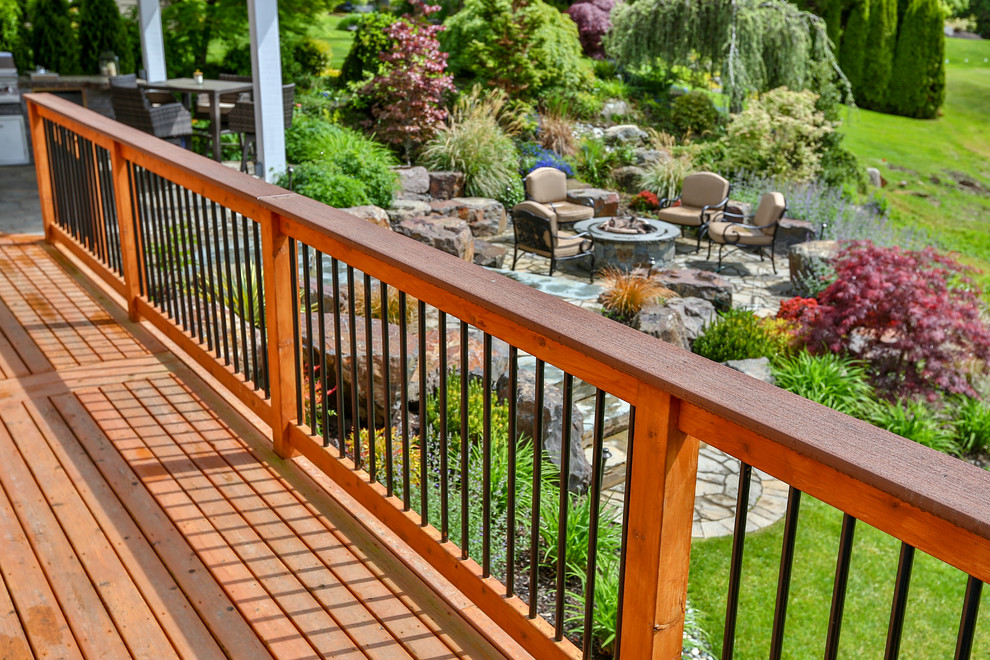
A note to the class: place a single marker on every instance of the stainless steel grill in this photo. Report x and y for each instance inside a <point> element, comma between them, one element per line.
<point>9,93</point>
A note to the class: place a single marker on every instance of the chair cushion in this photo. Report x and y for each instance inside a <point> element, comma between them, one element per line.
<point>704,189</point>
<point>770,211</point>
<point>569,245</point>
<point>732,234</point>
<point>546,184</point>
<point>570,212</point>
<point>688,216</point>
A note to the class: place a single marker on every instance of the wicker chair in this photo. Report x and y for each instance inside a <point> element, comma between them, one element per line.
<point>536,231</point>
<point>761,231</point>
<point>227,100</point>
<point>241,120</point>
<point>169,121</point>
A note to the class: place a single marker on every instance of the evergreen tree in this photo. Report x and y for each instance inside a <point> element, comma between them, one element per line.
<point>981,16</point>
<point>52,37</point>
<point>917,84</point>
<point>854,44</point>
<point>102,29</point>
<point>879,56</point>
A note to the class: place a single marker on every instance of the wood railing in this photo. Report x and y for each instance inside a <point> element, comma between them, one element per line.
<point>930,501</point>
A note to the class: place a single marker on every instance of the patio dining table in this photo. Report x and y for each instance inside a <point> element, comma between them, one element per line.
<point>214,88</point>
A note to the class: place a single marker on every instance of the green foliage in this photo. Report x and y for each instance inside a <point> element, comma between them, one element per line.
<point>694,114</point>
<point>578,530</point>
<point>971,420</point>
<point>665,176</point>
<point>313,56</point>
<point>474,142</point>
<point>917,84</point>
<point>779,134</point>
<point>13,33</point>
<point>980,10</point>
<point>754,45</point>
<point>523,48</point>
<point>362,60</point>
<point>738,335</point>
<point>879,61</point>
<point>101,28</point>
<point>53,40</point>
<point>475,409</point>
<point>340,152</point>
<point>595,161</point>
<point>324,182</point>
<point>605,614</point>
<point>831,380</point>
<point>854,44</point>
<point>915,420</point>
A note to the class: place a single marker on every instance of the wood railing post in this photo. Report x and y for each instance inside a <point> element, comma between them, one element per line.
<point>279,295</point>
<point>130,251</point>
<point>39,144</point>
<point>658,544</point>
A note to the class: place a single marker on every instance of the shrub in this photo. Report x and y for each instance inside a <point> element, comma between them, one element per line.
<point>644,200</point>
<point>665,177</point>
<point>405,96</point>
<point>346,152</point>
<point>831,380</point>
<point>370,39</point>
<point>914,420</point>
<point>879,61</point>
<point>473,142</point>
<point>325,183</point>
<point>577,534</point>
<point>101,28</point>
<point>605,614</point>
<point>13,33</point>
<point>694,114</point>
<point>971,420</point>
<point>917,82</point>
<point>592,21</point>
<point>779,134</point>
<point>739,335</point>
<point>853,45</point>
<point>913,315</point>
<point>523,48</point>
<point>313,56</point>
<point>595,161</point>
<point>52,38</point>
<point>555,133</point>
<point>625,294</point>
<point>533,156</point>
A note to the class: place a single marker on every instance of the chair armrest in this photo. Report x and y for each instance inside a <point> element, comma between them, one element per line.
<point>666,201</point>
<point>583,234</point>
<point>535,208</point>
<point>171,118</point>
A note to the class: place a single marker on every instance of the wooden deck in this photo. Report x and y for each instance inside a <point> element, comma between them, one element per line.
<point>142,516</point>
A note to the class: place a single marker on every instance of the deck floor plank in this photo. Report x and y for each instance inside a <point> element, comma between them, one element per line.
<point>135,521</point>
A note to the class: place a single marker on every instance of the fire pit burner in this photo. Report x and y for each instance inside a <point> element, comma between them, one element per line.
<point>627,225</point>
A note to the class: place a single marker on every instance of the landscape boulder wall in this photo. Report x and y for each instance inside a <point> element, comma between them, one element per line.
<point>485,217</point>
<point>605,202</point>
<point>450,235</point>
<point>553,424</point>
<point>692,283</point>
<point>696,313</point>
<point>446,185</point>
<point>664,323</point>
<point>414,183</point>
<point>373,214</point>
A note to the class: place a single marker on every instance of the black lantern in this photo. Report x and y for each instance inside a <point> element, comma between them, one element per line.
<point>109,64</point>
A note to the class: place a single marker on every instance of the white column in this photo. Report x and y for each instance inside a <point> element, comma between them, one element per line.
<point>152,39</point>
<point>266,65</point>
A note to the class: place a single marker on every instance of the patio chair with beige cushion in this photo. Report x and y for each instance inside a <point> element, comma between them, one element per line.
<point>537,231</point>
<point>548,186</point>
<point>761,231</point>
<point>703,197</point>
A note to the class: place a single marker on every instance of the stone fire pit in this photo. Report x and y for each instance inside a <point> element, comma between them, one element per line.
<point>624,242</point>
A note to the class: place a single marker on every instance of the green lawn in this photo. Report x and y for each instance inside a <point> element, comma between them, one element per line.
<point>931,157</point>
<point>324,28</point>
<point>934,601</point>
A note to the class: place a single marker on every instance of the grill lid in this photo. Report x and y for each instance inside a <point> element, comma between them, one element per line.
<point>8,79</point>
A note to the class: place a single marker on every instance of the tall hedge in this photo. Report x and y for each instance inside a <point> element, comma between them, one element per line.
<point>101,28</point>
<point>855,43</point>
<point>11,27</point>
<point>52,38</point>
<point>917,83</point>
<point>879,62</point>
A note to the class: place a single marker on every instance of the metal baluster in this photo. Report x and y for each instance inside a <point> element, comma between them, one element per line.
<point>338,351</point>
<point>510,509</point>
<point>839,587</point>
<point>967,622</point>
<point>324,385</point>
<point>486,452</point>
<point>562,506</point>
<point>784,574</point>
<point>310,339</point>
<point>598,470</point>
<point>263,323</point>
<point>442,405</point>
<point>735,564</point>
<point>370,365</point>
<point>534,521</point>
<point>899,606</point>
<point>387,395</point>
<point>465,445</point>
<point>404,399</point>
<point>625,532</point>
<point>355,384</point>
<point>424,503</point>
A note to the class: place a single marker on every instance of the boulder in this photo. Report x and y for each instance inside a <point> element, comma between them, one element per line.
<point>758,368</point>
<point>628,178</point>
<point>414,183</point>
<point>791,232</point>
<point>696,313</point>
<point>625,134</point>
<point>553,424</point>
<point>476,357</point>
<point>450,235</point>
<point>488,255</point>
<point>605,202</point>
<point>329,302</point>
<point>691,283</point>
<point>649,156</point>
<point>485,217</point>
<point>808,260</point>
<point>373,214</point>
<point>406,208</point>
<point>876,179</point>
<point>615,108</point>
<point>446,185</point>
<point>663,323</point>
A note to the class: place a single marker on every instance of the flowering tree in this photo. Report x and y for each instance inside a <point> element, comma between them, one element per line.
<point>913,315</point>
<point>406,96</point>
<point>591,18</point>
